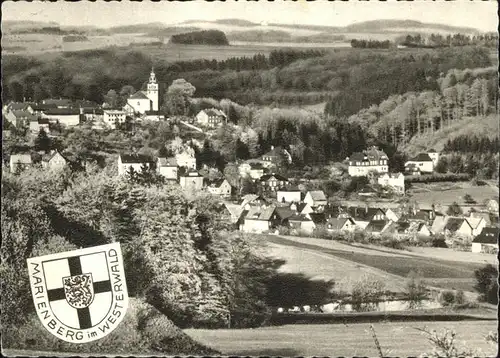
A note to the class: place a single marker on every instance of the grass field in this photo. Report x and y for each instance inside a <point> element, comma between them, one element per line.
<point>346,263</point>
<point>396,339</point>
<point>446,193</point>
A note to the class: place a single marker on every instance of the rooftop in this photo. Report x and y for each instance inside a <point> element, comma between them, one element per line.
<point>489,235</point>
<point>139,95</point>
<point>167,162</point>
<point>422,157</point>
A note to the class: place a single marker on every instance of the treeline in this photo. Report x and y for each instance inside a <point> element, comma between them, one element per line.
<point>205,37</point>
<point>480,165</point>
<point>469,144</point>
<point>489,40</point>
<point>75,38</point>
<point>52,30</point>
<point>276,58</point>
<point>399,118</point>
<point>370,44</point>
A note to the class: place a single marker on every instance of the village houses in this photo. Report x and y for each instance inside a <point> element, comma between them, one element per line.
<point>112,117</point>
<point>134,161</point>
<point>167,167</point>
<point>54,161</point>
<point>211,117</point>
<point>370,160</point>
<point>249,169</point>
<point>396,181</point>
<point>275,156</point>
<point>289,195</point>
<point>273,181</point>
<point>486,241</point>
<point>341,224</point>
<point>315,198</point>
<point>420,164</point>
<point>19,162</point>
<point>69,117</point>
<point>144,101</point>
<point>191,181</point>
<point>219,187</point>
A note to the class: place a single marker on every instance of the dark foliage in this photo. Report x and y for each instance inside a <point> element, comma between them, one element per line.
<point>206,37</point>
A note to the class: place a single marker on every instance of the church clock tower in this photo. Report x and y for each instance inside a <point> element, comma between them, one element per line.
<point>152,91</point>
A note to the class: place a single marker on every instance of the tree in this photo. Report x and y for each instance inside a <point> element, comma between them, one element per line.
<point>111,98</point>
<point>178,96</point>
<point>43,142</point>
<point>415,288</point>
<point>487,283</point>
<point>454,209</point>
<point>469,199</point>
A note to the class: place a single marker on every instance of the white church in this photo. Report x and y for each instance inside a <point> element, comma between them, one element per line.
<point>144,103</point>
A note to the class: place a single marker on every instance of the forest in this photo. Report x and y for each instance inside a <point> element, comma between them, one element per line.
<point>489,40</point>
<point>206,37</point>
<point>351,80</point>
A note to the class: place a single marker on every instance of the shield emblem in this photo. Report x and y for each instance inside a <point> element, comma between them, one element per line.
<point>80,296</point>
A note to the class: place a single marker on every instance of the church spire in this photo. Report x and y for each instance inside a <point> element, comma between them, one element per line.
<point>152,77</point>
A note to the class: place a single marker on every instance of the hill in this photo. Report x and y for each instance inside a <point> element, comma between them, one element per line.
<point>206,37</point>
<point>144,330</point>
<point>406,26</point>
<point>470,126</point>
<point>237,22</point>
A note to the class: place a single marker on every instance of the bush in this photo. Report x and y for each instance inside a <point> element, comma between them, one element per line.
<point>459,297</point>
<point>487,283</point>
<point>143,330</point>
<point>367,290</point>
<point>447,298</point>
<point>415,288</point>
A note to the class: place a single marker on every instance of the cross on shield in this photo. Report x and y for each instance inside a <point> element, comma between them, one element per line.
<point>79,289</point>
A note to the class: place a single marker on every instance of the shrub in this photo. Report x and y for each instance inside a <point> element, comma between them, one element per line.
<point>487,283</point>
<point>415,288</point>
<point>447,298</point>
<point>459,297</point>
<point>445,344</point>
<point>367,290</point>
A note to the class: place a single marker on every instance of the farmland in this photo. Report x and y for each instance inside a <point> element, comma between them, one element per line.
<point>445,193</point>
<point>348,262</point>
<point>396,339</point>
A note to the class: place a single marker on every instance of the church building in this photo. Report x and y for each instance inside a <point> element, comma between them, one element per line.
<point>144,101</point>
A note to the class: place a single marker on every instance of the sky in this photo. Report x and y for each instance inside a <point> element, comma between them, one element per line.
<point>481,15</point>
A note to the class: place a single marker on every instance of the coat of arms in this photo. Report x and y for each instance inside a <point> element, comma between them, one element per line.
<point>81,295</point>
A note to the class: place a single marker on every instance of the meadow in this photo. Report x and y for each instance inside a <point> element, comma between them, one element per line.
<point>396,339</point>
<point>347,263</point>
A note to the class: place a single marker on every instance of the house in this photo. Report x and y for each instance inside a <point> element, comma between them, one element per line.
<point>317,218</point>
<point>301,208</point>
<point>191,181</point>
<point>143,101</point>
<point>134,161</point>
<point>391,214</point>
<point>276,155</point>
<point>273,181</point>
<point>434,157</point>
<point>458,227</point>
<point>54,160</point>
<point>396,181</point>
<point>485,216</point>
<point>220,187</point>
<point>39,124</point>
<point>153,116</point>
<point>167,167</point>
<point>58,103</point>
<point>92,114</point>
<point>235,212</point>
<point>252,170</point>
<point>423,162</point>
<point>289,195</point>
<point>376,227</point>
<point>302,224</point>
<point>486,241</point>
<point>363,216</point>
<point>65,116</point>
<point>258,219</point>
<point>340,224</point>
<point>211,117</point>
<point>283,213</point>
<point>315,198</point>
<point>370,160</point>
<point>419,229</point>
<point>112,117</point>
<point>252,199</point>
<point>19,106</point>
<point>19,162</point>
<point>20,118</point>
<point>186,159</point>
<point>38,108</point>
<point>477,224</point>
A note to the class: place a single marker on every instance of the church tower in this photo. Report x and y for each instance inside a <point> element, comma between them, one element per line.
<point>152,91</point>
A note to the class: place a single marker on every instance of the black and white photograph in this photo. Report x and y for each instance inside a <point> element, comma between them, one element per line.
<point>250,178</point>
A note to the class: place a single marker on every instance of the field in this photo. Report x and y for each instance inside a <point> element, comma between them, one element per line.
<point>396,339</point>
<point>445,193</point>
<point>347,263</point>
